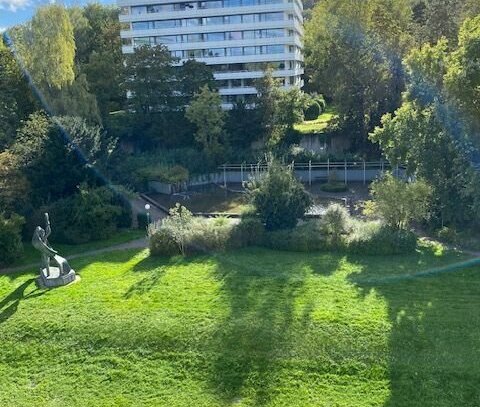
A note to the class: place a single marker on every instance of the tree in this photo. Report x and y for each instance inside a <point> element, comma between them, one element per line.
<point>16,99</point>
<point>268,89</point>
<point>291,105</point>
<point>207,114</point>
<point>49,157</point>
<point>149,78</point>
<point>399,203</point>
<point>279,198</point>
<point>11,245</point>
<point>52,50</point>
<point>353,52</point>
<point>436,19</point>
<point>14,186</point>
<point>75,100</point>
<point>242,125</point>
<point>191,76</point>
<point>436,128</point>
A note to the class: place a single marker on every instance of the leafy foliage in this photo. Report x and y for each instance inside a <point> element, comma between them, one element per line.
<point>206,113</point>
<point>11,246</point>
<point>89,215</point>
<point>398,202</point>
<point>279,198</point>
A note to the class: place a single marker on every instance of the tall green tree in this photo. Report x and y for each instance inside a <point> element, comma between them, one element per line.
<point>436,128</point>
<point>206,112</point>
<point>353,55</point>
<point>52,52</point>
<point>16,98</point>
<point>191,76</point>
<point>149,78</point>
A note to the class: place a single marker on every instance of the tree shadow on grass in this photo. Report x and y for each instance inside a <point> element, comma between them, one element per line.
<point>9,304</point>
<point>433,305</point>
<point>153,269</point>
<point>258,334</point>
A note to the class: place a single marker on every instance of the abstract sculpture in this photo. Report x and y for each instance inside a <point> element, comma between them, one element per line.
<point>51,276</point>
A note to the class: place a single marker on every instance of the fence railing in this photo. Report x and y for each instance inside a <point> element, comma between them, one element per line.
<point>308,173</point>
<point>341,171</point>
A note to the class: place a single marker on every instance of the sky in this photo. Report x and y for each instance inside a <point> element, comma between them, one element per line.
<point>18,11</point>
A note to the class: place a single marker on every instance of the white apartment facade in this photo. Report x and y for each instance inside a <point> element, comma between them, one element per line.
<point>238,38</point>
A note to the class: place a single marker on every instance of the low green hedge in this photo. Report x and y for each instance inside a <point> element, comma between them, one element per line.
<point>334,187</point>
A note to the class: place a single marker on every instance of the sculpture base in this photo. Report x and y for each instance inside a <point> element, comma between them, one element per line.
<point>55,279</point>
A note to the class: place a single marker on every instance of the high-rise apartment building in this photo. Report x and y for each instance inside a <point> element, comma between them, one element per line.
<point>238,38</point>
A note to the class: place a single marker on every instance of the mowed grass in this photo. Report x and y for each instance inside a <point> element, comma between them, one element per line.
<point>31,255</point>
<point>250,328</point>
<point>318,125</point>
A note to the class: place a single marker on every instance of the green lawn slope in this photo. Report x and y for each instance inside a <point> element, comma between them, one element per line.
<point>250,328</point>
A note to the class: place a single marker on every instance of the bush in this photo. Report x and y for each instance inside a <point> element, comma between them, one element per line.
<point>161,243</point>
<point>11,246</point>
<point>279,198</point>
<point>447,235</point>
<point>322,103</point>
<point>334,187</point>
<point>92,214</point>
<point>304,238</point>
<point>249,232</point>
<point>312,111</point>
<point>210,235</point>
<point>398,202</point>
<point>375,238</point>
<point>336,222</point>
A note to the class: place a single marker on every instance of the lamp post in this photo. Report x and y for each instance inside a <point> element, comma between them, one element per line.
<point>147,208</point>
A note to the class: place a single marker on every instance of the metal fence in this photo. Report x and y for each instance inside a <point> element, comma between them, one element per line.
<point>340,171</point>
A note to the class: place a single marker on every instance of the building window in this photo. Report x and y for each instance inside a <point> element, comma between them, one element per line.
<point>141,41</point>
<point>140,25</point>
<point>272,17</point>
<point>192,22</point>
<point>234,35</point>
<point>215,37</point>
<point>139,10</point>
<point>234,51</point>
<point>214,52</point>
<point>233,19</point>
<point>248,35</point>
<point>232,3</point>
<point>273,33</point>
<point>193,37</point>
<point>169,39</point>
<point>248,18</point>
<point>167,24</point>
<point>213,20</point>
<point>248,50</point>
<point>274,49</point>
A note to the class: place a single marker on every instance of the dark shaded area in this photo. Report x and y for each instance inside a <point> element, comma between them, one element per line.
<point>259,334</point>
<point>154,269</point>
<point>435,338</point>
<point>10,303</point>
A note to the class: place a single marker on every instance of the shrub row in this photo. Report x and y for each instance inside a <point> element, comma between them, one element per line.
<point>335,232</point>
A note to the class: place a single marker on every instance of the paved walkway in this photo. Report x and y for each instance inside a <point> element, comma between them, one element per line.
<point>138,206</point>
<point>134,244</point>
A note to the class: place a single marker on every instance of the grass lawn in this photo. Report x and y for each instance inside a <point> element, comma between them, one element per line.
<point>250,328</point>
<point>30,255</point>
<point>318,125</point>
